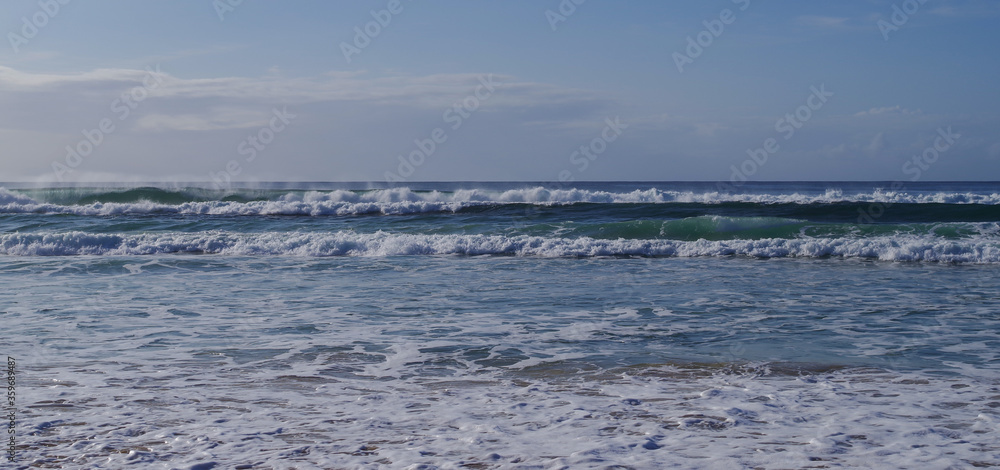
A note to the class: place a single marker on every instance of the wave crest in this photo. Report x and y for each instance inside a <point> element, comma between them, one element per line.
<point>905,248</point>
<point>405,200</point>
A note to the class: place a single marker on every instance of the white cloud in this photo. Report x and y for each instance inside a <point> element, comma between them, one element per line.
<point>202,96</point>
<point>353,125</point>
<point>349,124</point>
<point>899,110</point>
<point>967,9</point>
<point>947,10</point>
<point>213,119</point>
<point>236,102</point>
<point>14,80</point>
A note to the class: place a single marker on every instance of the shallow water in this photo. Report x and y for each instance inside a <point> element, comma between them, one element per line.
<point>443,360</point>
<point>529,359</point>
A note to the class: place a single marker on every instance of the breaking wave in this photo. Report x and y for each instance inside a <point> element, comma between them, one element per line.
<point>405,200</point>
<point>345,243</point>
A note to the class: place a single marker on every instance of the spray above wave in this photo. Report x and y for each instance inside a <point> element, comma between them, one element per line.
<point>897,248</point>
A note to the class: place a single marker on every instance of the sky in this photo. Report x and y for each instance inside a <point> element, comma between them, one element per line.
<point>518,90</point>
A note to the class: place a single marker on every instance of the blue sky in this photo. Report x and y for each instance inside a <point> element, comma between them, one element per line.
<point>205,82</point>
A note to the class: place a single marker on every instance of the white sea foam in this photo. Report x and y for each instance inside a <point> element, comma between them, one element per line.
<point>346,243</point>
<point>355,363</point>
<point>297,418</point>
<point>405,200</point>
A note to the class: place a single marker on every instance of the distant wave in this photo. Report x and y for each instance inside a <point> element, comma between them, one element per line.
<point>894,248</point>
<point>406,201</point>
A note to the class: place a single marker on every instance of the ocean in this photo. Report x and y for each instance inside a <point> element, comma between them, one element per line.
<point>502,325</point>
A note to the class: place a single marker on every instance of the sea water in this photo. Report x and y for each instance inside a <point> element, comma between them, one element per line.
<point>504,325</point>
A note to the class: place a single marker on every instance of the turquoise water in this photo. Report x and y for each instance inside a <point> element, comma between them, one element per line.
<point>504,326</point>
